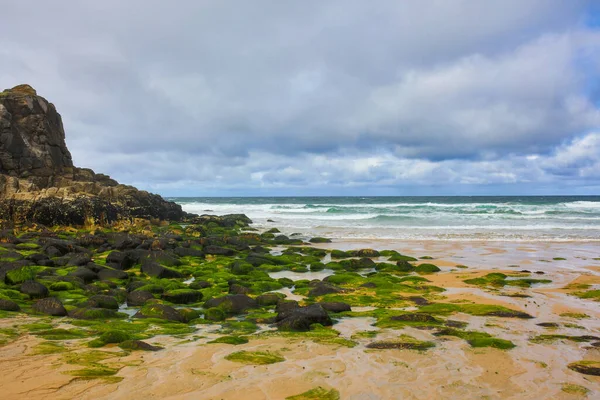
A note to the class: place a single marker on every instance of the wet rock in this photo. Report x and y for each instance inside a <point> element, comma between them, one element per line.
<point>138,298</point>
<point>162,311</point>
<point>35,290</point>
<point>182,296</point>
<point>548,324</point>
<point>218,251</point>
<point>269,299</point>
<point>336,306</point>
<point>414,317</point>
<point>120,260</point>
<point>9,305</point>
<point>50,306</point>
<point>321,289</point>
<point>79,260</point>
<point>109,273</point>
<point>232,303</point>
<point>369,285</point>
<point>510,314</point>
<point>356,264</point>
<point>420,301</point>
<point>301,318</point>
<point>188,252</point>
<point>89,313</point>
<point>102,301</point>
<point>84,273</point>
<point>197,285</point>
<point>154,269</point>
<point>399,344</point>
<point>235,288</point>
<point>138,345</point>
<point>455,324</point>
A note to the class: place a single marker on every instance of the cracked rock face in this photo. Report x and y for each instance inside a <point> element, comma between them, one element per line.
<point>38,182</point>
<point>32,138</point>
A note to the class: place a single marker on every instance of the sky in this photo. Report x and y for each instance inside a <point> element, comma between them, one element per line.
<point>266,97</point>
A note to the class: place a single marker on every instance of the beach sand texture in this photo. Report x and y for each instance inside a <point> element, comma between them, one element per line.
<point>189,368</point>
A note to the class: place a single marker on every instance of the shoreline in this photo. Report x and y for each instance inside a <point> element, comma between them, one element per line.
<point>190,368</point>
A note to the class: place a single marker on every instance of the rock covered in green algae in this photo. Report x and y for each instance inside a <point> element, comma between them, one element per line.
<point>232,304</point>
<point>162,311</point>
<point>138,345</point>
<point>301,318</point>
<point>586,367</point>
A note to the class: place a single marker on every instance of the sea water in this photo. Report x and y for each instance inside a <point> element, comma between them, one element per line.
<point>527,218</point>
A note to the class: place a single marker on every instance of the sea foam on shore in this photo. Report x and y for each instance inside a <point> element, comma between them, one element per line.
<point>500,218</point>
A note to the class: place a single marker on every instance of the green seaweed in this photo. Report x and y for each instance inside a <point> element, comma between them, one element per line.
<point>255,357</point>
<point>235,340</point>
<point>478,339</point>
<point>318,393</point>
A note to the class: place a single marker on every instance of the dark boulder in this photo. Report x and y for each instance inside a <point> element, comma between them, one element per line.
<point>188,252</point>
<point>120,260</point>
<point>161,311</point>
<point>236,288</point>
<point>232,303</point>
<point>90,313</point>
<point>269,299</point>
<point>50,306</point>
<point>510,314</point>
<point>9,305</point>
<point>138,345</point>
<point>197,285</point>
<point>35,290</point>
<point>301,318</point>
<point>182,296</point>
<point>414,317</point>
<point>79,260</point>
<point>335,306</point>
<point>218,251</point>
<point>154,269</point>
<point>321,288</point>
<point>84,273</point>
<point>103,301</point>
<point>138,298</point>
<point>109,273</point>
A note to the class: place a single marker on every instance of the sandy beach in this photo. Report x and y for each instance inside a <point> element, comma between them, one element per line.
<point>189,368</point>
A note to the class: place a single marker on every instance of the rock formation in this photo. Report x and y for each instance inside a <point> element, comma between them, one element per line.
<point>38,182</point>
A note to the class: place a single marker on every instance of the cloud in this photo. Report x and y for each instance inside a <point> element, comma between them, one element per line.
<point>265,96</point>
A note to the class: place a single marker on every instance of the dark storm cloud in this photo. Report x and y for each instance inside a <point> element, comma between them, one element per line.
<point>196,95</point>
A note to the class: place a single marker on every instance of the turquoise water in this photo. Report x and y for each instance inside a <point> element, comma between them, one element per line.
<point>528,218</point>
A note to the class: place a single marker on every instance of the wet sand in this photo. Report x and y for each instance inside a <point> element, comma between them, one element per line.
<point>452,370</point>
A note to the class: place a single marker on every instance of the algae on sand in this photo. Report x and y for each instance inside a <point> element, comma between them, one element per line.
<point>318,393</point>
<point>255,357</point>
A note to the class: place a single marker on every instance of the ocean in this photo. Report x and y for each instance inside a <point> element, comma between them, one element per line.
<point>520,218</point>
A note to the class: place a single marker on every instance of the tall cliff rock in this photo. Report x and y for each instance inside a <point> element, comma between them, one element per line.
<point>38,182</point>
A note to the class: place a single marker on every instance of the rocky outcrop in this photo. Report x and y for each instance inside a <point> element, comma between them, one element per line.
<point>38,182</point>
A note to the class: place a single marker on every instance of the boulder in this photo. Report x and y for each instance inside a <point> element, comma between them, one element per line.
<point>182,296</point>
<point>152,268</point>
<point>103,301</point>
<point>138,298</point>
<point>232,303</point>
<point>162,311</point>
<point>35,290</point>
<point>336,306</point>
<point>50,306</point>
<point>301,318</point>
<point>138,345</point>
<point>9,305</point>
<point>39,183</point>
<point>92,313</point>
<point>322,288</point>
